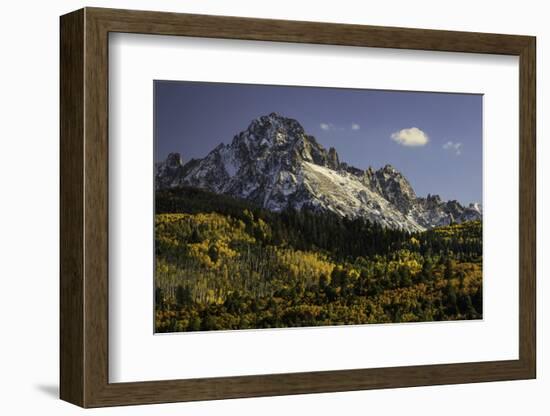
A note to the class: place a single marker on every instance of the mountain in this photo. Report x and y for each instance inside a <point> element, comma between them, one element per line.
<point>276,165</point>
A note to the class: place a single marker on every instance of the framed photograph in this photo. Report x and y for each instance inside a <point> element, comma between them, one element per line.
<point>260,207</point>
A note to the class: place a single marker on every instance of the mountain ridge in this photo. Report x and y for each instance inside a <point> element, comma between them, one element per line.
<point>276,165</point>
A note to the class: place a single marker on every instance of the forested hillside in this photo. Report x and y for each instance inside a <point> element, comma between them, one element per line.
<point>223,263</point>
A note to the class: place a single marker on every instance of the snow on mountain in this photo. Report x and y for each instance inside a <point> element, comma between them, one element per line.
<point>275,164</point>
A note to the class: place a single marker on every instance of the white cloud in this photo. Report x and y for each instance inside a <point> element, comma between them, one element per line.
<point>412,137</point>
<point>455,147</point>
<point>332,127</point>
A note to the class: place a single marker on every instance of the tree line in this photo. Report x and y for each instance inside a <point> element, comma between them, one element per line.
<point>224,263</point>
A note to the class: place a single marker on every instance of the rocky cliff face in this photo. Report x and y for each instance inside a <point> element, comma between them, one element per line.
<point>275,164</point>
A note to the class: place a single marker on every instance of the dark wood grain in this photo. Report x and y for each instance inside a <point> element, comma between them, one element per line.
<point>527,208</point>
<point>71,100</point>
<point>96,219</point>
<point>162,23</point>
<point>84,207</point>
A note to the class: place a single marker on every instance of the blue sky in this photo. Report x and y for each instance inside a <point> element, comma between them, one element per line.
<point>434,139</point>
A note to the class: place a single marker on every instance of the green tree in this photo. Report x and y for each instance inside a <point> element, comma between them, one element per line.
<point>184,296</point>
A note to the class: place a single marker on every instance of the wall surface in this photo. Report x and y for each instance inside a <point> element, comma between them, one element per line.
<point>29,160</point>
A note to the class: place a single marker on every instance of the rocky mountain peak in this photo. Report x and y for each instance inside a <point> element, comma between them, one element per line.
<point>433,199</point>
<point>389,169</point>
<point>391,183</point>
<point>169,171</point>
<point>333,159</point>
<point>276,164</point>
<point>274,140</point>
<point>271,130</point>
<point>173,160</point>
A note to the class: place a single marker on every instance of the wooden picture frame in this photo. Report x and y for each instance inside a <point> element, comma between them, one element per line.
<point>84,207</point>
